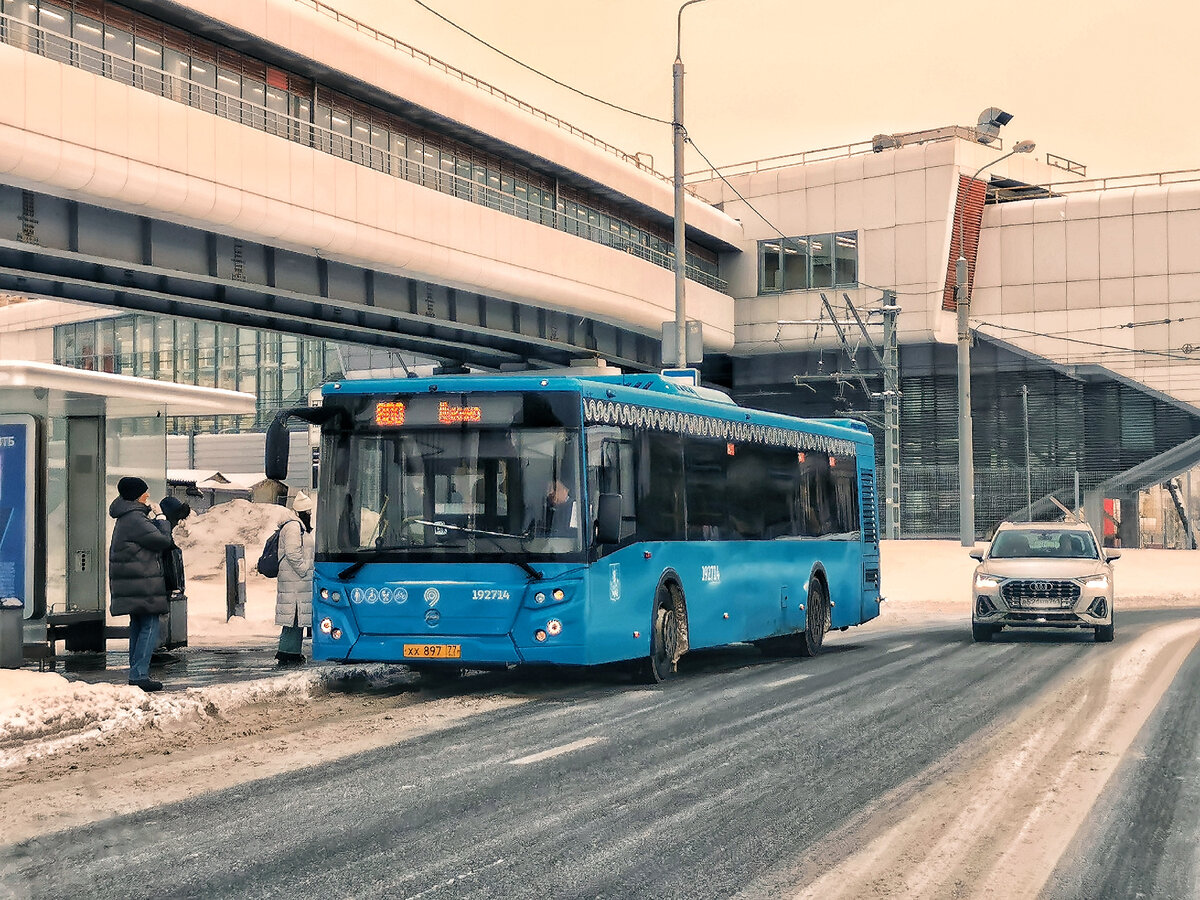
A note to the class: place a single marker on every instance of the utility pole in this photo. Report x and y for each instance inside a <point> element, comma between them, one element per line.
<point>1028,462</point>
<point>678,135</point>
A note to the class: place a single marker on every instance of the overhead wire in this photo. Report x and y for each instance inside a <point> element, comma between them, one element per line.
<point>539,72</point>
<point>1167,354</point>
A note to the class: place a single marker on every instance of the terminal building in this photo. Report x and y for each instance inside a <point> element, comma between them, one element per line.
<point>268,181</point>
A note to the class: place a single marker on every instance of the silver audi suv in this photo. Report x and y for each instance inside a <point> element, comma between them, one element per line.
<point>1043,575</point>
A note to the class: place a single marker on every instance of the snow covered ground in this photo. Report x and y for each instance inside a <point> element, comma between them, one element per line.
<point>43,713</point>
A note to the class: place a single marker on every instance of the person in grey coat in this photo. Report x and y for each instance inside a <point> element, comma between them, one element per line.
<point>137,586</point>
<point>293,603</point>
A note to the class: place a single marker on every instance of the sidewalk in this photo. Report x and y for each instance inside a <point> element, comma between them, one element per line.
<point>184,668</point>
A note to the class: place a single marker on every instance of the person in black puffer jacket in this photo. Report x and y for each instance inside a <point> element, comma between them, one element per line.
<point>135,574</point>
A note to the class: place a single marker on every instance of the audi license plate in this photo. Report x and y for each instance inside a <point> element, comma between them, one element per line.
<point>433,651</point>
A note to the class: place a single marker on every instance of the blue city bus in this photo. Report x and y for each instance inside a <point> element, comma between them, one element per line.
<point>479,521</point>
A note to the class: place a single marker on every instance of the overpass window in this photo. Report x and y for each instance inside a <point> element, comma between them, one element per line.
<point>254,93</point>
<point>178,68</point>
<point>106,349</point>
<point>118,46</point>
<point>204,90</point>
<point>845,256</point>
<point>379,148</point>
<point>229,89</point>
<point>360,131</point>
<point>805,263</point>
<point>90,35</point>
<point>147,341</point>
<point>125,350</point>
<point>149,57</point>
<point>339,124</point>
<point>56,23</point>
<point>22,11</point>
<point>821,252</point>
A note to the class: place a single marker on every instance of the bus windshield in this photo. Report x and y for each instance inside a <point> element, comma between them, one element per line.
<point>435,493</point>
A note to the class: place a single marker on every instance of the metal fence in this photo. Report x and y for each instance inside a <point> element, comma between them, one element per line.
<point>929,497</point>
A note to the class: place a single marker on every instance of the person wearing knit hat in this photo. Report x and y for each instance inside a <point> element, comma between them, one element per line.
<point>137,586</point>
<point>293,601</point>
<point>174,511</point>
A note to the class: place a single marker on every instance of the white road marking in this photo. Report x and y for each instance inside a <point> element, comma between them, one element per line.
<point>899,648</point>
<point>790,680</point>
<point>450,882</point>
<point>555,751</point>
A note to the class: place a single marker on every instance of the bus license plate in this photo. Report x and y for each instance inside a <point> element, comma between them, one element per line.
<point>433,651</point>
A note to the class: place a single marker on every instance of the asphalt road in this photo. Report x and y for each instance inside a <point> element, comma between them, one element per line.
<point>728,781</point>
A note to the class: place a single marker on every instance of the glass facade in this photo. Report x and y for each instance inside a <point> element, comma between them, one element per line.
<point>278,369</point>
<point>810,262</point>
<point>115,42</point>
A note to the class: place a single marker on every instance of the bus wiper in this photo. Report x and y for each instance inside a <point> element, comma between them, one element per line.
<point>351,570</point>
<point>530,570</point>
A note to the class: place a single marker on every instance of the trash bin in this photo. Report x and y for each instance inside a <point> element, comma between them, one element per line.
<point>12,633</point>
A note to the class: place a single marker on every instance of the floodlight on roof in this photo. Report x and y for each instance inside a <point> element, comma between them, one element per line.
<point>990,120</point>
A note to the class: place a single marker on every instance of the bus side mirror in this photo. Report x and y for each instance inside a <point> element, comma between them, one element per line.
<point>275,462</point>
<point>608,519</point>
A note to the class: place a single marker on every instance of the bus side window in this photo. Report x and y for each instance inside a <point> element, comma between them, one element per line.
<point>611,471</point>
<point>660,488</point>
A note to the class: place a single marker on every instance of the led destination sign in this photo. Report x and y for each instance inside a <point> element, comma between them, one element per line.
<point>424,410</point>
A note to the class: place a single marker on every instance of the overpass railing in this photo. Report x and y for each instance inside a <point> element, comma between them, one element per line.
<point>457,178</point>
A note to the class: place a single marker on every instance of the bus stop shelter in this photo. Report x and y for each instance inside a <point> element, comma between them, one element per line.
<point>67,436</point>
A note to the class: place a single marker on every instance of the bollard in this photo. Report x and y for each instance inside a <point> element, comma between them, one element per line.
<point>235,581</point>
<point>12,633</point>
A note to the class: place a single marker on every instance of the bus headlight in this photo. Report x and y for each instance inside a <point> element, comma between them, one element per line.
<point>539,597</point>
<point>327,625</point>
<point>539,635</point>
<point>324,593</point>
<point>554,627</point>
<point>558,594</point>
<point>336,634</point>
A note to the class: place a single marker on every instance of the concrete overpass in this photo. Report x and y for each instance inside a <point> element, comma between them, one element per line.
<point>131,177</point>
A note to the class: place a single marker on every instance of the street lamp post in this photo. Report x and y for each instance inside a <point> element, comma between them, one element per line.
<point>679,133</point>
<point>966,441</point>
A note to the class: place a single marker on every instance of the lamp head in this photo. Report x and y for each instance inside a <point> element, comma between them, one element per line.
<point>989,123</point>
<point>1024,147</point>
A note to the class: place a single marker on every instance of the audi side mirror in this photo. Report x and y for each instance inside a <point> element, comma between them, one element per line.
<point>1112,555</point>
<point>977,554</point>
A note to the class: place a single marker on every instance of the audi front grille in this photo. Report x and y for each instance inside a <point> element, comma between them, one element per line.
<point>1040,594</point>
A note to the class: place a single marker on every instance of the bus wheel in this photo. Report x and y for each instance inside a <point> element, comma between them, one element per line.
<point>664,639</point>
<point>816,623</point>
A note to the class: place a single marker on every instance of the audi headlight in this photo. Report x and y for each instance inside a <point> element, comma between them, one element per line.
<point>986,581</point>
<point>1097,583</point>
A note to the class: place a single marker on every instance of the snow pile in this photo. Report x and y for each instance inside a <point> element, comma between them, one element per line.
<point>202,536</point>
<point>42,713</point>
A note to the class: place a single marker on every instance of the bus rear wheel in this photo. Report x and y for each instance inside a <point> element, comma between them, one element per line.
<point>816,622</point>
<point>664,639</point>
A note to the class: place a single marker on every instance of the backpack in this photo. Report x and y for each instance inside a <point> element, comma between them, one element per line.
<point>268,562</point>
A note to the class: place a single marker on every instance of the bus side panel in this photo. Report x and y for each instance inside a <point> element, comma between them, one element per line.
<point>621,590</point>
<point>734,591</point>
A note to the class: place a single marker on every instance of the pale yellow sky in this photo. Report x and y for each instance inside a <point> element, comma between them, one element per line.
<point>1109,84</point>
